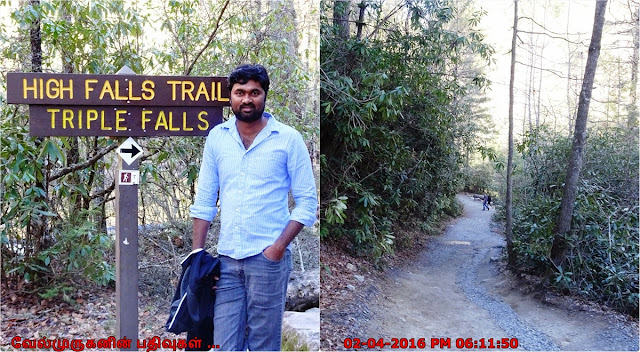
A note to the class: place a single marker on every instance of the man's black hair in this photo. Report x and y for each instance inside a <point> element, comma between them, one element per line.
<point>244,73</point>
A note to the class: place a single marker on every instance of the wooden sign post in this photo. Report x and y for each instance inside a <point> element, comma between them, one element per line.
<point>127,257</point>
<point>121,105</point>
<point>126,245</point>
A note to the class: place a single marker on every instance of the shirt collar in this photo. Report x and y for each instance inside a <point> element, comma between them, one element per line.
<point>273,125</point>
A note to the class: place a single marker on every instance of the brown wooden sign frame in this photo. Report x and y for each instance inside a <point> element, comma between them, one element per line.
<point>119,105</point>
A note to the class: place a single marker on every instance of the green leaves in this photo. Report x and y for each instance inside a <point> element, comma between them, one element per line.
<point>368,200</point>
<point>52,151</point>
<point>604,236</point>
<point>334,212</point>
<point>388,127</point>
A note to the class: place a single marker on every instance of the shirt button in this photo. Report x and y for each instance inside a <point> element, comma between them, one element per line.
<point>242,174</point>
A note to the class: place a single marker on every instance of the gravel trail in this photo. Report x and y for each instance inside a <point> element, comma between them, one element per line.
<point>454,291</point>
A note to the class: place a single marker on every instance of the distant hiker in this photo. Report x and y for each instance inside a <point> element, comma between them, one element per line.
<point>488,200</point>
<point>485,200</point>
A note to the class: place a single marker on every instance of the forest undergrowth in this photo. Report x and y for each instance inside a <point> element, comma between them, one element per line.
<point>602,261</point>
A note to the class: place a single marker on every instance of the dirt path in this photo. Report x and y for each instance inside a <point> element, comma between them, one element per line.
<point>454,290</point>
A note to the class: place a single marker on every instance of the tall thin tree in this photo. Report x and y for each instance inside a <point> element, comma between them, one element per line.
<point>632,119</point>
<point>563,224</point>
<point>508,202</point>
<point>37,227</point>
<point>73,152</point>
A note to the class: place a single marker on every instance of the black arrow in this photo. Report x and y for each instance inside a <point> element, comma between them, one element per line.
<point>133,151</point>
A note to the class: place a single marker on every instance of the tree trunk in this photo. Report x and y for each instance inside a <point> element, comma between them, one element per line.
<point>360,23</point>
<point>73,153</point>
<point>539,103</point>
<point>36,42</point>
<point>341,10</point>
<point>508,202</point>
<point>563,224</point>
<point>569,113</point>
<point>632,119</point>
<point>37,226</point>
<point>530,88</point>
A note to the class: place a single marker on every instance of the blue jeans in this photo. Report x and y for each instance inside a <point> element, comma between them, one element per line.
<point>250,301</point>
<point>484,205</point>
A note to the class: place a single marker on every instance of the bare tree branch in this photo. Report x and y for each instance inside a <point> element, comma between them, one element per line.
<point>384,20</point>
<point>547,70</point>
<point>104,192</point>
<point>69,169</point>
<point>108,200</point>
<point>213,35</point>
<point>154,152</point>
<point>552,32</point>
<point>554,37</point>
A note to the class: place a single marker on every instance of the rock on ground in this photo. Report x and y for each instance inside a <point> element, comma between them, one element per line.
<point>303,291</point>
<point>306,325</point>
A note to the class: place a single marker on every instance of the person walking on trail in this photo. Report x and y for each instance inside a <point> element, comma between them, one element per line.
<point>253,161</point>
<point>485,201</point>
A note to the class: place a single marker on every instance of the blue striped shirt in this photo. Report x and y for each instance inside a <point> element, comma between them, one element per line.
<point>254,184</point>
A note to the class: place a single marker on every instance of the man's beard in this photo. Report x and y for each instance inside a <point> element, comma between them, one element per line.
<point>255,115</point>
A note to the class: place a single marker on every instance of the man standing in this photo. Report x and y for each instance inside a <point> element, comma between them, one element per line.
<point>485,200</point>
<point>253,161</point>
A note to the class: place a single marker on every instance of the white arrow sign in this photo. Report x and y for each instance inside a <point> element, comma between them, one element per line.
<point>129,151</point>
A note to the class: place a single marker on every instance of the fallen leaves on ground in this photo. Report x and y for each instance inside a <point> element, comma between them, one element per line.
<point>92,315</point>
<point>347,282</point>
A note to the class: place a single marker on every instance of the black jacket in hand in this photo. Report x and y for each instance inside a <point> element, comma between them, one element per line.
<point>192,304</point>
